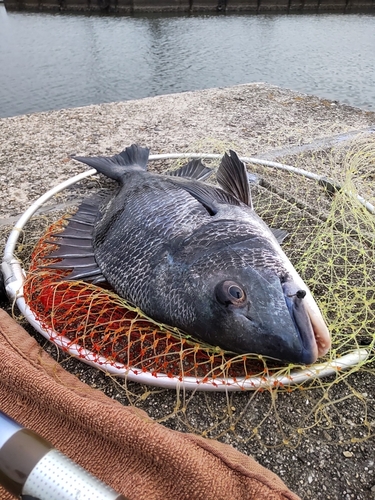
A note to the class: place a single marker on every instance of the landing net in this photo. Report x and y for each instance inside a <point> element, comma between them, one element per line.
<point>331,243</point>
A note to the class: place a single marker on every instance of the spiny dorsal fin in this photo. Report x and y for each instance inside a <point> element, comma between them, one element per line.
<point>115,166</point>
<point>195,169</point>
<point>232,176</point>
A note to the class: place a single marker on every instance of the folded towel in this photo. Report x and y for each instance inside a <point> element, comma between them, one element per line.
<point>121,445</point>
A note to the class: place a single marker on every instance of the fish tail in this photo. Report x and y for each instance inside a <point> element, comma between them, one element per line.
<point>115,166</point>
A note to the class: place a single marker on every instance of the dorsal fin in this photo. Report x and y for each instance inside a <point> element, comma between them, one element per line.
<point>195,169</point>
<point>232,176</point>
<point>115,166</point>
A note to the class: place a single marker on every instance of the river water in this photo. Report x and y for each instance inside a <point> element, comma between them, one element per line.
<point>53,61</point>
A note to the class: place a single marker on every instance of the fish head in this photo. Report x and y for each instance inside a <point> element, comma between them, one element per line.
<point>252,311</point>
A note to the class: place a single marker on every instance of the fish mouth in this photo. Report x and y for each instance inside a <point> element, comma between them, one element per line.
<point>308,322</point>
<point>321,332</point>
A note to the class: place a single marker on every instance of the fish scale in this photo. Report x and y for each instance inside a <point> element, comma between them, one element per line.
<point>129,265</point>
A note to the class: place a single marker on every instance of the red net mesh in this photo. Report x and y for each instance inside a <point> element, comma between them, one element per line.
<point>114,332</point>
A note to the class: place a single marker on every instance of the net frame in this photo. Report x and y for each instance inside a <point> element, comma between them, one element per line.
<point>15,275</point>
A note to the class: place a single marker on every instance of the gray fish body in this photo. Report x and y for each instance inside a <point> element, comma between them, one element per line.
<point>165,245</point>
<point>194,256</point>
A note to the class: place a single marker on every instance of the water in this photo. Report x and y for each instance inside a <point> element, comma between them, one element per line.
<point>52,61</point>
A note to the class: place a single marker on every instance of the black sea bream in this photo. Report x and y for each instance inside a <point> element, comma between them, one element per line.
<point>194,256</point>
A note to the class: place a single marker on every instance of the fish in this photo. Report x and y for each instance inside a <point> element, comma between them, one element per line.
<point>194,256</point>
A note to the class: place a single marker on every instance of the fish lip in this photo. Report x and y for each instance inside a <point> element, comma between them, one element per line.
<point>300,308</point>
<point>321,332</point>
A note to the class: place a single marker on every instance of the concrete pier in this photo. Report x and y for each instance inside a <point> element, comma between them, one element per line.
<point>180,6</point>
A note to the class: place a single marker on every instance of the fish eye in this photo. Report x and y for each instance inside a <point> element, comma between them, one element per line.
<point>230,293</point>
<point>236,292</point>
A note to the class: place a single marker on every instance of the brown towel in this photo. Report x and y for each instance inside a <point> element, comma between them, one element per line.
<point>120,445</point>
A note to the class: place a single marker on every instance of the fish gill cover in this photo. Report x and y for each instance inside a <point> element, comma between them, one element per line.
<point>332,245</point>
